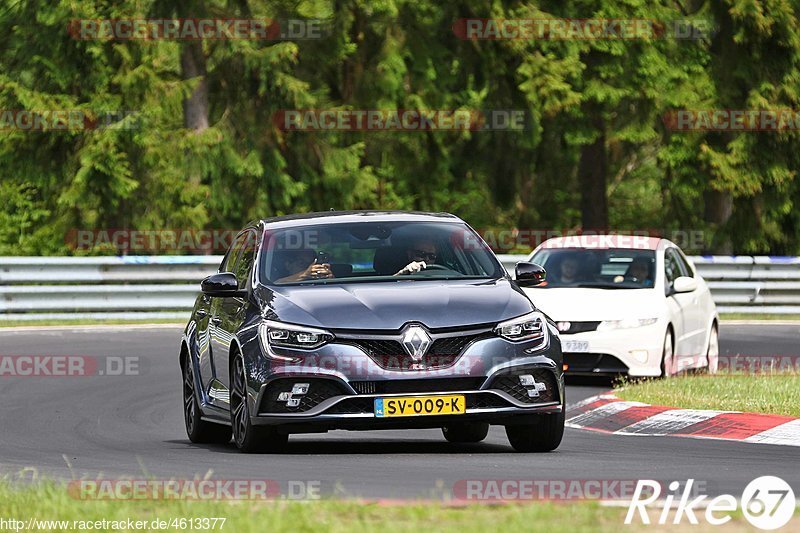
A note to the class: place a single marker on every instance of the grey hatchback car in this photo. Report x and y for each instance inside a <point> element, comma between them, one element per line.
<point>364,321</point>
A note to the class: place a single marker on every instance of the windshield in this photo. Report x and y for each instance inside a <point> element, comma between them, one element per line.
<point>372,251</point>
<point>603,269</point>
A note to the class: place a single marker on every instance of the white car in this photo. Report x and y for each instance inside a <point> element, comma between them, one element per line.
<point>626,305</point>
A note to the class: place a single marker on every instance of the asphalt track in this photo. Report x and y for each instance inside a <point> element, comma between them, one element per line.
<point>132,426</point>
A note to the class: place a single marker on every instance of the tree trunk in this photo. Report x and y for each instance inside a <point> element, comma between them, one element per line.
<point>193,65</point>
<point>592,177</point>
<point>718,209</point>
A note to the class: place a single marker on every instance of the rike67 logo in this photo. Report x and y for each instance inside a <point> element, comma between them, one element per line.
<point>768,503</point>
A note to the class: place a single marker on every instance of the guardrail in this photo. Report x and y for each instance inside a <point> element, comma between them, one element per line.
<point>165,287</point>
<point>741,284</point>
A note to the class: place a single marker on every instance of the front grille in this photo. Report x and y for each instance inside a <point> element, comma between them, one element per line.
<point>596,363</point>
<point>578,327</point>
<point>485,400</point>
<point>353,406</point>
<point>390,355</point>
<point>510,383</point>
<point>416,385</point>
<point>319,390</point>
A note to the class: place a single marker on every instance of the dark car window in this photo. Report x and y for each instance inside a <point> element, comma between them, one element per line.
<point>687,268</point>
<point>376,251</point>
<point>616,268</point>
<point>230,258</point>
<point>673,269</point>
<point>245,260</point>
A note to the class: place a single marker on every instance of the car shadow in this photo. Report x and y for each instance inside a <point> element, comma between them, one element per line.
<point>334,446</point>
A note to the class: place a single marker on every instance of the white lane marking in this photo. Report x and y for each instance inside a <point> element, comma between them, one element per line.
<point>604,411</point>
<point>88,328</point>
<point>668,422</point>
<point>590,399</point>
<point>787,434</point>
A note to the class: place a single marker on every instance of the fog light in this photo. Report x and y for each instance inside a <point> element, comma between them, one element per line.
<point>300,388</point>
<point>284,396</point>
<point>639,355</point>
<point>293,402</point>
<point>526,380</point>
<point>533,393</point>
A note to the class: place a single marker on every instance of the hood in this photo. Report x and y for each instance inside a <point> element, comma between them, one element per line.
<point>578,305</point>
<point>389,305</point>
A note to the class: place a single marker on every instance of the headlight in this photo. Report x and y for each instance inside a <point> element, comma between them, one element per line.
<point>280,335</point>
<point>530,327</point>
<point>626,323</point>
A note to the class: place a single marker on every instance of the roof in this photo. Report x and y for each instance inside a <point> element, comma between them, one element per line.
<point>340,217</point>
<point>604,241</point>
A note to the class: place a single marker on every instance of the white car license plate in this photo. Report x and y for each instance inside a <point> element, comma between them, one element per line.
<point>574,346</point>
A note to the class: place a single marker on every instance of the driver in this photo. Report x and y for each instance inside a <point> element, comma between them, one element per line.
<point>420,254</point>
<point>303,264</point>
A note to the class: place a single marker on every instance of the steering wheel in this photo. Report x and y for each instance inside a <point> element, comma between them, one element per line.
<point>436,267</point>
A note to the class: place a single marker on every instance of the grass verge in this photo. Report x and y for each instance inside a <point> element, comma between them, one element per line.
<point>777,394</point>
<point>775,317</point>
<point>51,501</point>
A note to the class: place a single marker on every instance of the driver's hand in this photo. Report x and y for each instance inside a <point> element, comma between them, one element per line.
<point>413,267</point>
<point>317,271</point>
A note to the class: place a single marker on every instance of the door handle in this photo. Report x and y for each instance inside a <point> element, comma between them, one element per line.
<point>216,320</point>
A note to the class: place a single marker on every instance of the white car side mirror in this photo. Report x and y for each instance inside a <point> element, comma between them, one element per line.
<point>684,284</point>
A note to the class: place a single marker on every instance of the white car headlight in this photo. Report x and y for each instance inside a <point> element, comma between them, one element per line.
<point>526,328</point>
<point>626,323</point>
<point>280,335</point>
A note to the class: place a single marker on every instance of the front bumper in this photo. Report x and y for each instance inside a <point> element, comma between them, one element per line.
<point>344,382</point>
<point>633,351</point>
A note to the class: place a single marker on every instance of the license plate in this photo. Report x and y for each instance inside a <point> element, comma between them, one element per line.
<point>420,405</point>
<point>574,346</point>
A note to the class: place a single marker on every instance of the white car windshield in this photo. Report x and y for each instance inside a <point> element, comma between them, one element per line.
<point>601,268</point>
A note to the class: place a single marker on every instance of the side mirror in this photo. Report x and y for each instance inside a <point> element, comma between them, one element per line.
<point>223,284</point>
<point>684,284</point>
<point>529,274</point>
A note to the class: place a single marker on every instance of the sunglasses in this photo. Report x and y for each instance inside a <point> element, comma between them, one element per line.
<point>422,254</point>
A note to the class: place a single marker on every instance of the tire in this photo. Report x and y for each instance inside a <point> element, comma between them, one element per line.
<point>668,356</point>
<point>198,430</point>
<point>466,432</point>
<point>712,352</point>
<point>250,438</point>
<point>543,436</point>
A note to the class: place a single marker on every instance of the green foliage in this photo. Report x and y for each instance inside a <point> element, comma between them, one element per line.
<point>149,171</point>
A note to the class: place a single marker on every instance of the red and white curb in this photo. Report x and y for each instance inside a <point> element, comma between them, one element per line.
<point>608,414</point>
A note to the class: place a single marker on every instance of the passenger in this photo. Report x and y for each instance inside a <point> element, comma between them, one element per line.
<point>303,266</point>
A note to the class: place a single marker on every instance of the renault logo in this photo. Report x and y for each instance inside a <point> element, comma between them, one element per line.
<point>416,342</point>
